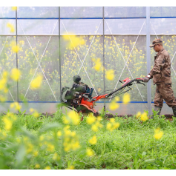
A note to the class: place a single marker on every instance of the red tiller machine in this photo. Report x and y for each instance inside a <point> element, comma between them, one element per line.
<point>84,105</point>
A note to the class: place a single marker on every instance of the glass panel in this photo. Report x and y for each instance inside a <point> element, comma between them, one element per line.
<point>166,26</point>
<point>38,27</point>
<point>163,11</point>
<point>38,12</point>
<point>125,11</point>
<point>44,49</point>
<point>132,50</point>
<point>82,27</point>
<point>72,60</point>
<point>4,30</point>
<point>8,62</point>
<point>125,26</point>
<point>81,12</point>
<point>7,12</point>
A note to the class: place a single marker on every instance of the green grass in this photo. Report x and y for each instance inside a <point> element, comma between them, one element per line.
<point>131,146</point>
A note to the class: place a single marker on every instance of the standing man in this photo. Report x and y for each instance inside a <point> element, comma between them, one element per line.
<point>161,74</point>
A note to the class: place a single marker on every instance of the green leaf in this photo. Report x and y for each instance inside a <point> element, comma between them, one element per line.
<point>149,160</point>
<point>25,132</point>
<point>50,126</point>
<point>20,154</point>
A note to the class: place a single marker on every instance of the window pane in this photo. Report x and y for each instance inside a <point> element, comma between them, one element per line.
<point>7,12</point>
<point>125,26</point>
<point>82,26</point>
<point>38,27</point>
<point>163,11</point>
<point>38,12</point>
<point>125,11</point>
<point>4,30</point>
<point>163,26</point>
<point>80,12</point>
<point>43,50</point>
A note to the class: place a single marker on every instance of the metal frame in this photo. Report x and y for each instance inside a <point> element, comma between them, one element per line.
<point>60,58</point>
<point>104,63</point>
<point>17,97</point>
<point>148,17</point>
<point>148,58</point>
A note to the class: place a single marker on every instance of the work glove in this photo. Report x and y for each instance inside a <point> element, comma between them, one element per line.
<point>146,79</point>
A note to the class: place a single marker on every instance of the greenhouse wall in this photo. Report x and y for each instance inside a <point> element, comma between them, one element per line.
<point>119,36</point>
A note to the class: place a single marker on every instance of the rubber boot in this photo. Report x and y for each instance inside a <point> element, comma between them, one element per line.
<point>174,110</point>
<point>156,108</point>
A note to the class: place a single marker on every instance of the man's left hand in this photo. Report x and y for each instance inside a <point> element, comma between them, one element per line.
<point>145,79</point>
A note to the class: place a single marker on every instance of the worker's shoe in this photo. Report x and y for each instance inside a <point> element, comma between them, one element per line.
<point>174,110</point>
<point>158,109</point>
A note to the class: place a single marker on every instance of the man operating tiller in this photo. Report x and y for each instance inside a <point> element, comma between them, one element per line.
<point>161,74</point>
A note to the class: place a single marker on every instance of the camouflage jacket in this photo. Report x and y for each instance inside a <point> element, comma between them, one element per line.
<point>161,71</point>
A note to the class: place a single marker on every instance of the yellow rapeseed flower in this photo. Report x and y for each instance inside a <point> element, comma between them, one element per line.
<point>3,83</point>
<point>5,74</point>
<point>98,64</point>
<point>74,117</point>
<point>15,106</point>
<point>35,114</point>
<point>37,166</point>
<point>2,98</point>
<point>65,120</point>
<point>70,167</point>
<point>90,152</point>
<point>90,119</point>
<point>126,98</point>
<point>113,105</point>
<point>35,153</point>
<point>59,133</point>
<point>15,74</point>
<point>93,140</point>
<point>47,167</point>
<point>31,110</point>
<point>36,83</point>
<point>99,118</point>
<point>29,147</point>
<point>144,117</point>
<point>8,123</point>
<point>138,115</point>
<point>12,29</point>
<point>94,128</point>
<point>22,42</point>
<point>11,115</point>
<point>74,41</point>
<point>110,75</point>
<point>56,157</point>
<point>50,147</point>
<point>158,134</point>
<point>112,125</point>
<point>15,48</point>
<point>14,8</point>
<point>71,141</point>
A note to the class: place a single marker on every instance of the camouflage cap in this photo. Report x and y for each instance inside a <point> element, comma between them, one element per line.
<point>156,41</point>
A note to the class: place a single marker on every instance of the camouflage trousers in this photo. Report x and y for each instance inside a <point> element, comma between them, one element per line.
<point>164,91</point>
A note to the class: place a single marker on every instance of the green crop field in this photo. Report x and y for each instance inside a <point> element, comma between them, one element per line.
<point>53,142</point>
